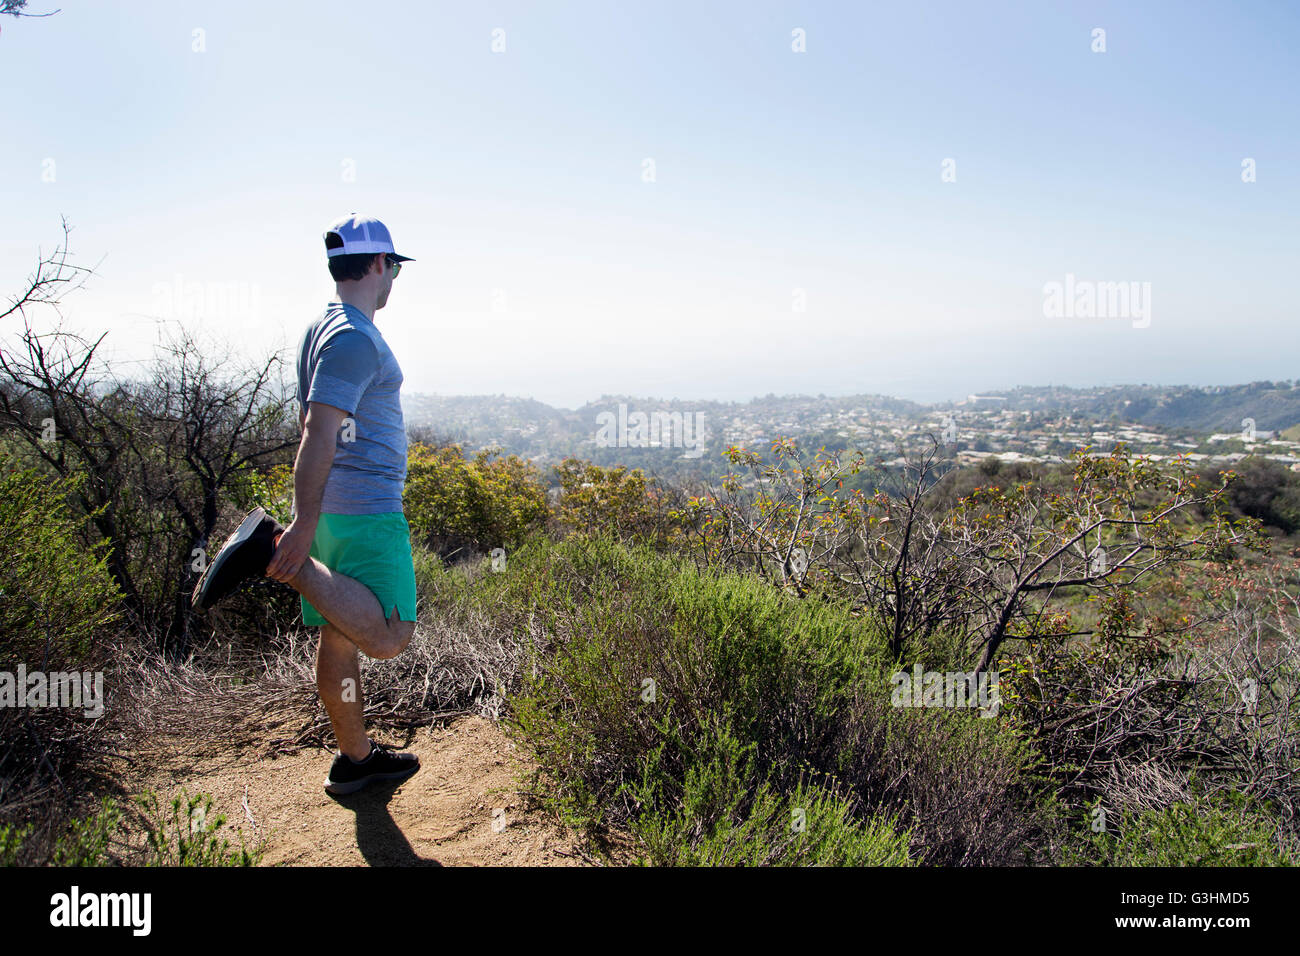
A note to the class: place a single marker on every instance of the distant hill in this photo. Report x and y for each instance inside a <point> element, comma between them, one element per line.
<point>1218,408</point>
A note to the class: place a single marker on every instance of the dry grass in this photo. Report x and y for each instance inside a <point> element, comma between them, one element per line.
<point>460,661</point>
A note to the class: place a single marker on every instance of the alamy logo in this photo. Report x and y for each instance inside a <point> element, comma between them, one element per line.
<point>656,430</point>
<point>1085,299</point>
<point>947,689</point>
<point>194,299</point>
<point>76,690</point>
<point>102,909</point>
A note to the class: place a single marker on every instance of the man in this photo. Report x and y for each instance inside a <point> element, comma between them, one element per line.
<point>347,551</point>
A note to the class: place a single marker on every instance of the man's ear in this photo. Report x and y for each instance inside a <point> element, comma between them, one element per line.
<point>378,265</point>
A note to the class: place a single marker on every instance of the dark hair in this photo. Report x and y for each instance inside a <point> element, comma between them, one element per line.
<point>345,268</point>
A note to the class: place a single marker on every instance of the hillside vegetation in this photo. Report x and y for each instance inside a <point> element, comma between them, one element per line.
<point>807,661</point>
<point>686,688</point>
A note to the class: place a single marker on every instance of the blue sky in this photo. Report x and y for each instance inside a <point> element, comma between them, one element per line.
<point>548,268</point>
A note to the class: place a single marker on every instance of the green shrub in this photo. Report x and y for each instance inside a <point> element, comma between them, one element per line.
<point>686,706</point>
<point>11,843</point>
<point>86,842</point>
<point>186,834</point>
<point>605,501</point>
<point>454,505</point>
<point>271,489</point>
<point>726,817</point>
<point>54,592</point>
<point>1267,490</point>
<point>1226,831</point>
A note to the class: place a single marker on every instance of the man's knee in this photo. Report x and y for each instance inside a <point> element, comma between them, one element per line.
<point>399,636</point>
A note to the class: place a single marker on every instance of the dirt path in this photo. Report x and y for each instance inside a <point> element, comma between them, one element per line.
<point>460,809</point>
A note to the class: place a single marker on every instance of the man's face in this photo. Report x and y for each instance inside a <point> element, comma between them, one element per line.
<point>387,280</point>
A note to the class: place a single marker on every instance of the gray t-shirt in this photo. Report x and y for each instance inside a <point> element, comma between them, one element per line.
<point>343,361</point>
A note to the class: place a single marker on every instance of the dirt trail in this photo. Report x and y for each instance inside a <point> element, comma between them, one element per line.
<point>447,814</point>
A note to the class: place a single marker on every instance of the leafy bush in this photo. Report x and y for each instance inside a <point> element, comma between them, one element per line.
<point>184,833</point>
<point>189,835</point>
<point>691,707</point>
<point>612,501</point>
<point>271,488</point>
<point>11,843</point>
<point>54,592</point>
<point>1223,832</point>
<point>86,842</point>
<point>56,597</point>
<point>458,506</point>
<point>723,819</point>
<point>1269,491</point>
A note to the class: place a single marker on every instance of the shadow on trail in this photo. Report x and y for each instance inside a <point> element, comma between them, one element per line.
<point>379,838</point>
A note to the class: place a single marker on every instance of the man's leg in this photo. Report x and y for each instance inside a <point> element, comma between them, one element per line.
<point>338,682</point>
<point>351,613</point>
<point>336,665</point>
<point>353,609</point>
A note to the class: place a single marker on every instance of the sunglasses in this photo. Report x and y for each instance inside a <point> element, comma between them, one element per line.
<point>397,266</point>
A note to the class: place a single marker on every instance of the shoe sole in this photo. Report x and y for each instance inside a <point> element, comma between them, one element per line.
<point>343,789</point>
<point>241,534</point>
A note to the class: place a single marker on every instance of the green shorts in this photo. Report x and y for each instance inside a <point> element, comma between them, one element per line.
<point>374,549</point>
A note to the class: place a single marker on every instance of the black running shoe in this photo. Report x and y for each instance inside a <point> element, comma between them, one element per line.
<point>382,764</point>
<point>245,555</point>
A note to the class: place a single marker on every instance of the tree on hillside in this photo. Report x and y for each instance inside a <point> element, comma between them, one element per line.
<point>993,568</point>
<point>159,456</point>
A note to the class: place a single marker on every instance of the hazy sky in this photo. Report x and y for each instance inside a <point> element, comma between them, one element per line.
<point>549,267</point>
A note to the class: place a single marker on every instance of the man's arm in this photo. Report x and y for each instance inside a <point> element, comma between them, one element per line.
<point>320,428</point>
<point>320,433</point>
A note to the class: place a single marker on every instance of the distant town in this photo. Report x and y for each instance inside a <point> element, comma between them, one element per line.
<point>1216,424</point>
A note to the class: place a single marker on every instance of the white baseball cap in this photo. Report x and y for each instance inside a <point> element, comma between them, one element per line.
<point>357,235</point>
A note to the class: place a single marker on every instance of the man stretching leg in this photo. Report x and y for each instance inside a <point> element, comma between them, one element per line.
<point>347,551</point>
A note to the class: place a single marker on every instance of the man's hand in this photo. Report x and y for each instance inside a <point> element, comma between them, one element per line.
<point>291,552</point>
